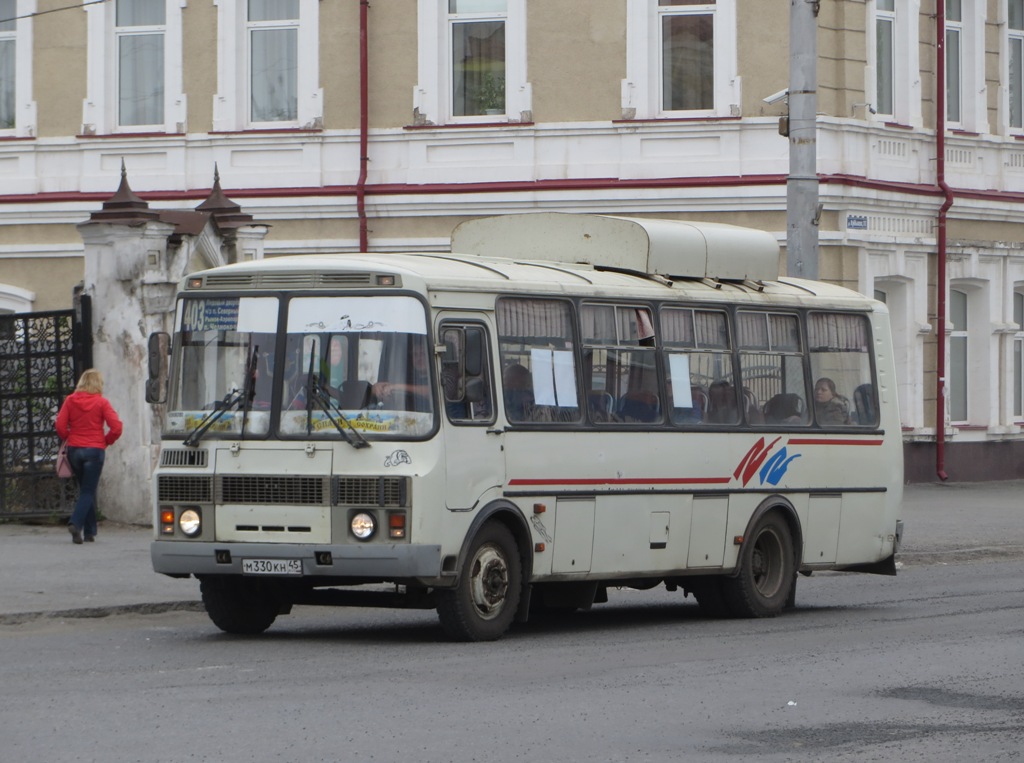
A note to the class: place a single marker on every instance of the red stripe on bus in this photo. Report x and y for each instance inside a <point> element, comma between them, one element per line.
<point>639,481</point>
<point>810,441</point>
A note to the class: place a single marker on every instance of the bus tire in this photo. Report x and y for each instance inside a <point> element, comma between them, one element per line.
<point>767,570</point>
<point>238,606</point>
<point>483,603</point>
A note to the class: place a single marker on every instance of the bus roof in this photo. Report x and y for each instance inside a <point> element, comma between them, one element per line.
<point>672,248</point>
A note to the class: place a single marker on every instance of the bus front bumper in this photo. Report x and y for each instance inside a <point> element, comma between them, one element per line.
<point>380,561</point>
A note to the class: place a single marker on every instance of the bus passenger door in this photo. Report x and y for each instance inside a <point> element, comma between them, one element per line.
<point>474,462</point>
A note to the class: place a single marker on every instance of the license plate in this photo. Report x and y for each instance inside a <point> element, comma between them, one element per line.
<point>271,567</point>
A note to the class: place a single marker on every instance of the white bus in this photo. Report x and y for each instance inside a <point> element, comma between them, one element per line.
<point>568,404</point>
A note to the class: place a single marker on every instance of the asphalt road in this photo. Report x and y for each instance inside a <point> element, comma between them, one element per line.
<point>925,666</point>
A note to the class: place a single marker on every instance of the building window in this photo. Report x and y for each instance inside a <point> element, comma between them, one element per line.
<point>17,110</point>
<point>893,61</point>
<point>956,383</point>
<point>8,46</point>
<point>139,28</point>
<point>472,62</point>
<point>134,71</point>
<point>272,31</point>
<point>1016,63</point>
<point>269,71</point>
<point>477,33</point>
<point>681,59</point>
<point>954,54</point>
<point>1018,356</point>
<point>687,55</point>
<point>885,61</point>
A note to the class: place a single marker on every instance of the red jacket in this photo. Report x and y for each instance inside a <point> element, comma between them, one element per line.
<point>81,421</point>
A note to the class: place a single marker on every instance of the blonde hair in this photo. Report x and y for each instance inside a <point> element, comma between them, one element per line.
<point>91,381</point>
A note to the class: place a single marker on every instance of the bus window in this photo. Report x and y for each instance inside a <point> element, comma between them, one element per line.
<point>772,369</point>
<point>698,357</point>
<point>619,371</point>
<point>538,360</point>
<point>844,390</point>
<point>465,374</point>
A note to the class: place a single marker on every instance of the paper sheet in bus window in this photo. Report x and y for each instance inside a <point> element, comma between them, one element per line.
<point>682,393</point>
<point>554,377</point>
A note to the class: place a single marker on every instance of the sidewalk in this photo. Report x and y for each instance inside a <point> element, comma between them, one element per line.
<point>43,573</point>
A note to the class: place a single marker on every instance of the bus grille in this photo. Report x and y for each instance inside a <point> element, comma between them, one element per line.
<point>305,491</point>
<point>186,457</point>
<point>285,280</point>
<point>174,489</point>
<point>370,491</point>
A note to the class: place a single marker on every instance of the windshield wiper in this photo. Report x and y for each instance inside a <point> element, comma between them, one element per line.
<point>315,393</point>
<point>249,388</point>
<point>230,401</point>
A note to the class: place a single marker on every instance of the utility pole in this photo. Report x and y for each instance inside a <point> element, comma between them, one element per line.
<point>802,213</point>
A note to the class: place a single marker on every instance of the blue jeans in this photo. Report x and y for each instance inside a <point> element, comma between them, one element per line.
<point>87,464</point>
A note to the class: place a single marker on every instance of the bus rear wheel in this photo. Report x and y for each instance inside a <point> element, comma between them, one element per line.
<point>238,606</point>
<point>767,570</point>
<point>484,602</point>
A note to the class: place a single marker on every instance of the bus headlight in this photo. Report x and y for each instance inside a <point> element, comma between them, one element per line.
<point>363,526</point>
<point>190,522</point>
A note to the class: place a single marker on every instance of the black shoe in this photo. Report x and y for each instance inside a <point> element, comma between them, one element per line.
<point>90,538</point>
<point>76,534</point>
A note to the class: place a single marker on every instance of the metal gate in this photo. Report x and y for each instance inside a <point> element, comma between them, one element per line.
<point>41,356</point>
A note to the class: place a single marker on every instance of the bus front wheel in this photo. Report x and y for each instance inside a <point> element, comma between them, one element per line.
<point>767,571</point>
<point>238,606</point>
<point>484,602</point>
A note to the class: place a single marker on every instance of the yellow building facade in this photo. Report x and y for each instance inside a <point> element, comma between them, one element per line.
<point>345,125</point>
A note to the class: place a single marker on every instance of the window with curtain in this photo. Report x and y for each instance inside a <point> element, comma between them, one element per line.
<point>1015,77</point>
<point>954,59</point>
<point>957,381</point>
<point>273,36</point>
<point>538,360</point>
<point>139,37</point>
<point>687,54</point>
<point>698,360</point>
<point>844,390</point>
<point>477,33</point>
<point>885,63</point>
<point>772,366</point>
<point>620,371</point>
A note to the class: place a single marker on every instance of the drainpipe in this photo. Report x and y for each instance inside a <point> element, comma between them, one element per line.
<point>940,300</point>
<point>364,99</point>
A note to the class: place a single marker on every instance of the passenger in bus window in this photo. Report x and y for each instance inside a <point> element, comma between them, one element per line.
<point>866,403</point>
<point>829,406</point>
<point>722,407</point>
<point>784,408</point>
<point>518,387</point>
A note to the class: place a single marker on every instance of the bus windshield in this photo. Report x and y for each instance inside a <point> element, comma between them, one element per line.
<point>348,368</point>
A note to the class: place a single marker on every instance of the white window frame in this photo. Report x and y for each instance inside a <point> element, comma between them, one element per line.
<point>231,108</point>
<point>14,299</point>
<point>100,107</point>
<point>906,64</point>
<point>642,88</point>
<point>971,30</point>
<point>1012,42</point>
<point>432,96</point>
<point>954,375</point>
<point>1017,358</point>
<point>24,105</point>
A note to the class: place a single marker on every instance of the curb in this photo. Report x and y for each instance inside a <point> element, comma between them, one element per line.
<point>155,608</point>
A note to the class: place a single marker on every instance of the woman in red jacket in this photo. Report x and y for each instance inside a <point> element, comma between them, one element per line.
<point>81,422</point>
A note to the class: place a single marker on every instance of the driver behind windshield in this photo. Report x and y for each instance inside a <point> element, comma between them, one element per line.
<point>411,390</point>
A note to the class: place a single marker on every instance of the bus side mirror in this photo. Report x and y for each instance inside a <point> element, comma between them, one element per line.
<point>159,351</point>
<point>474,352</point>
